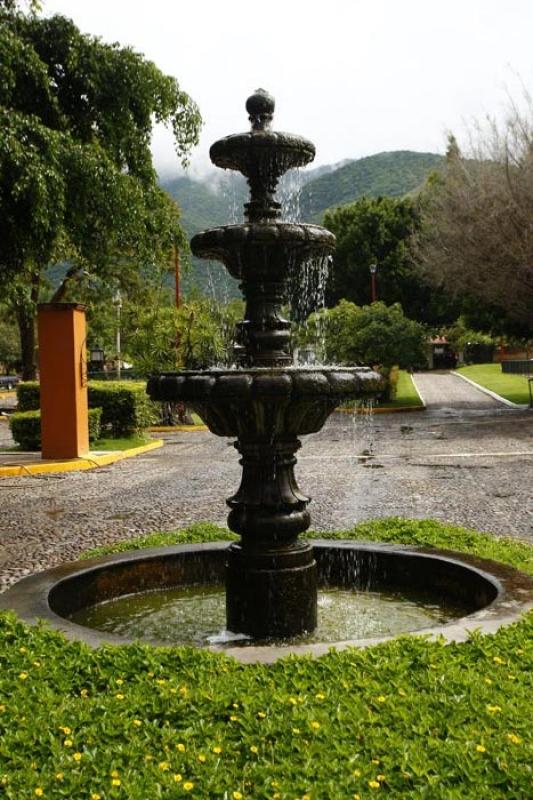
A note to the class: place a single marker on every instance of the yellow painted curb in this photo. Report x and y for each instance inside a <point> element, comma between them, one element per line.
<point>381,410</point>
<point>75,464</point>
<point>174,428</point>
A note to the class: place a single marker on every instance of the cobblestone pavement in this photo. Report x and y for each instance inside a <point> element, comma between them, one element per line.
<point>471,468</point>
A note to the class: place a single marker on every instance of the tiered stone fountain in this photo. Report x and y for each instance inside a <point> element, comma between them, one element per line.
<point>265,402</point>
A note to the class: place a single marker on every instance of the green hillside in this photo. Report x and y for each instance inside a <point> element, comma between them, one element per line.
<point>393,174</point>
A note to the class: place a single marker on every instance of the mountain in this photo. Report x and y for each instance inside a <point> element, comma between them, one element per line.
<point>393,174</point>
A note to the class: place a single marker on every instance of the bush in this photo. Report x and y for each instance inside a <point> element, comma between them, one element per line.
<point>28,396</point>
<point>26,428</point>
<point>126,408</point>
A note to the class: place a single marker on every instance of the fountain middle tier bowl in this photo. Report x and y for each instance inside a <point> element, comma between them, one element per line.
<point>268,152</point>
<point>266,402</point>
<point>263,250</point>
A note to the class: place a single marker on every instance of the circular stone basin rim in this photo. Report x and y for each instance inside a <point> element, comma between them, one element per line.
<point>493,593</point>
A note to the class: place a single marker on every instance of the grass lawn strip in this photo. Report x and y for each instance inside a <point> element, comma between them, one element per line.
<point>511,387</point>
<point>406,393</point>
<point>410,718</point>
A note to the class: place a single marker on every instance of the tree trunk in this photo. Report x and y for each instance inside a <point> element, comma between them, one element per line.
<point>25,313</point>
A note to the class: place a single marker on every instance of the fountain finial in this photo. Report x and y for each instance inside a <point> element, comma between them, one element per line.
<point>260,107</point>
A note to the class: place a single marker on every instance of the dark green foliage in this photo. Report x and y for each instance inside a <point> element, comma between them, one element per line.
<point>393,174</point>
<point>378,231</point>
<point>410,719</point>
<point>371,335</point>
<point>28,396</point>
<point>26,427</point>
<point>126,408</point>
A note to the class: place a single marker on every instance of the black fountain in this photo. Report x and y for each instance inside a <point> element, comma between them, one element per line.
<point>265,402</point>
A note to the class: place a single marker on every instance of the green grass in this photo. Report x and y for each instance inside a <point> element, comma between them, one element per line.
<point>407,719</point>
<point>406,394</point>
<point>511,387</point>
<point>120,444</point>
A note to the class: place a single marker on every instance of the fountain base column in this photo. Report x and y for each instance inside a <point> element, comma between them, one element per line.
<point>271,594</point>
<point>271,584</point>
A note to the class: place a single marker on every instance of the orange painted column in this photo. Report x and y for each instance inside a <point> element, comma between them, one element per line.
<point>63,379</point>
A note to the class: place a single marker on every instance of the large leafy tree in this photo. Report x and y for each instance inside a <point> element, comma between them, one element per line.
<point>378,231</point>
<point>76,176</point>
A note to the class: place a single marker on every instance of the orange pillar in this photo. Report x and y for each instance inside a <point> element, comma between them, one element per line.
<point>63,378</point>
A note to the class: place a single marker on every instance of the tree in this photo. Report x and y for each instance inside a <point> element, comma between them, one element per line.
<point>374,334</point>
<point>76,176</point>
<point>476,238</point>
<point>378,231</point>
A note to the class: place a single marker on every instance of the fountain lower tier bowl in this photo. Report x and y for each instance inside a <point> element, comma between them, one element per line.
<point>263,251</point>
<point>485,594</point>
<point>266,402</point>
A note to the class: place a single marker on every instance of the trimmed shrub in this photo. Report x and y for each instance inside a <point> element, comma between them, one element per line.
<point>28,396</point>
<point>126,408</point>
<point>26,427</point>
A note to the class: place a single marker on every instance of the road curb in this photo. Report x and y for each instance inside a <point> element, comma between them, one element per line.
<point>76,464</point>
<point>489,392</point>
<point>176,428</point>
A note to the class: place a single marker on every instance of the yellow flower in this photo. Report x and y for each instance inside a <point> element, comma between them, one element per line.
<point>480,748</point>
<point>254,749</point>
<point>160,681</point>
<point>2,708</point>
<point>59,776</point>
<point>381,698</point>
<point>514,738</point>
<point>401,692</point>
<point>217,750</point>
<point>177,777</point>
<point>39,792</point>
<point>181,747</point>
<point>233,718</point>
<point>380,777</point>
<point>493,709</point>
<point>164,765</point>
<point>237,796</point>
<point>498,660</point>
<point>374,784</point>
<point>519,651</point>
<point>66,730</point>
<point>375,761</point>
<point>296,731</point>
<point>488,681</point>
<point>114,774</point>
<point>23,649</point>
<point>77,756</point>
<point>116,782</point>
<point>276,796</point>
<point>23,676</point>
<point>357,797</point>
<point>36,663</point>
<point>96,796</point>
<point>188,786</point>
<point>119,696</point>
<point>320,696</point>
<point>293,701</point>
<point>357,773</point>
<point>261,714</point>
<point>148,758</point>
<point>306,797</point>
<point>184,692</point>
<point>119,681</point>
<point>201,758</point>
<point>315,725</point>
<point>68,743</point>
<point>137,723</point>
<point>84,693</point>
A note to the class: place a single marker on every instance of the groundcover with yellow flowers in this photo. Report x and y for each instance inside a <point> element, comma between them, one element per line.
<point>407,719</point>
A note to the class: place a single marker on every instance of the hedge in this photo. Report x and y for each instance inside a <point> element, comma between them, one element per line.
<point>26,427</point>
<point>126,408</point>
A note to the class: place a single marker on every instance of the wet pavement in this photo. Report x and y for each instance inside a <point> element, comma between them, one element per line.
<point>444,391</point>
<point>467,466</point>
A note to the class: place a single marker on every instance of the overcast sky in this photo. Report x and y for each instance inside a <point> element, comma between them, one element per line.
<point>356,77</point>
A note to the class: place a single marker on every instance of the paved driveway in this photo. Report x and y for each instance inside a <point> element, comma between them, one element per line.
<point>445,390</point>
<point>472,468</point>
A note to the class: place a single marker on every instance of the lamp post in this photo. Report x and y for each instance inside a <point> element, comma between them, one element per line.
<point>96,358</point>
<point>117,302</point>
<point>373,269</point>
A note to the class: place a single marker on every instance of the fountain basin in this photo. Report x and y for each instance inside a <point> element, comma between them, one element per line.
<point>490,593</point>
<point>265,402</point>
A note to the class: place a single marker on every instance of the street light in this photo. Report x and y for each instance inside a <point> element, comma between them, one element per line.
<point>117,302</point>
<point>373,269</point>
<point>96,358</point>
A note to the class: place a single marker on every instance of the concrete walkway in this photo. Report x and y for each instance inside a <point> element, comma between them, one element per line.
<point>443,390</point>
